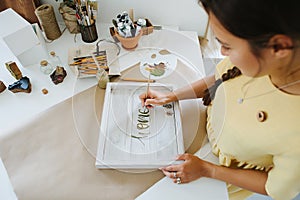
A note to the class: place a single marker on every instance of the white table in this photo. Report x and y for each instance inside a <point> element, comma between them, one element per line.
<point>7,191</point>
<point>37,102</point>
<point>48,142</point>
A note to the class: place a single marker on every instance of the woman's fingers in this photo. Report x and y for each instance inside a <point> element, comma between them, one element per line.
<point>145,96</point>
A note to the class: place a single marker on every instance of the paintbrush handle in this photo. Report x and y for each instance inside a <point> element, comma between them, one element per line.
<point>148,85</point>
<point>88,71</point>
<point>138,80</point>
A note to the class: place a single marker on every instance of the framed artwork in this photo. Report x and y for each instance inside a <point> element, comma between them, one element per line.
<point>136,137</point>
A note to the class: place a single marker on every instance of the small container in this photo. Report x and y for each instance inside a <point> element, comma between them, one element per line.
<point>102,78</point>
<point>89,33</point>
<point>55,60</point>
<point>129,43</point>
<point>46,67</point>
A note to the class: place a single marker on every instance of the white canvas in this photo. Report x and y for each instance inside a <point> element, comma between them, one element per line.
<point>125,145</point>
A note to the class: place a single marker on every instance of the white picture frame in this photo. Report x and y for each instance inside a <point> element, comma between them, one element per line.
<point>122,145</point>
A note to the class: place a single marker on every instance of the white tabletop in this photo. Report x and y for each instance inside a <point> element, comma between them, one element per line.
<point>50,121</point>
<point>31,104</point>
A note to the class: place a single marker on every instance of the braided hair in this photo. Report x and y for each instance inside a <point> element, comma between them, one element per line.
<point>209,94</point>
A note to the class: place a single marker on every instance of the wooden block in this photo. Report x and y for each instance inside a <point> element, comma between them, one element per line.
<point>2,86</point>
<point>148,29</point>
<point>14,70</point>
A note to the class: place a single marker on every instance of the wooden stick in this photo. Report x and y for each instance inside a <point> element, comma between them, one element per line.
<point>148,85</point>
<point>88,72</point>
<point>85,66</point>
<point>138,80</point>
<point>131,15</point>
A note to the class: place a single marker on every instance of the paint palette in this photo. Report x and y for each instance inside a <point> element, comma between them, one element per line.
<point>159,63</point>
<point>135,137</point>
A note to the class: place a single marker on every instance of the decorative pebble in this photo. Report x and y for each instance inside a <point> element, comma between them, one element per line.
<point>2,86</point>
<point>45,91</point>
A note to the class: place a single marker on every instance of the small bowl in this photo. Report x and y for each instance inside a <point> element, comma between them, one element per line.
<point>131,42</point>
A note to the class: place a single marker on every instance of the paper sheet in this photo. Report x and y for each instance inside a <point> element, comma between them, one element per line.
<point>198,189</point>
<point>6,191</point>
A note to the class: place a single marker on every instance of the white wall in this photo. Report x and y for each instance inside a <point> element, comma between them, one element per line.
<point>186,14</point>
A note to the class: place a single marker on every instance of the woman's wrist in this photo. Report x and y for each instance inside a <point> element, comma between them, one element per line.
<point>171,97</point>
<point>211,170</point>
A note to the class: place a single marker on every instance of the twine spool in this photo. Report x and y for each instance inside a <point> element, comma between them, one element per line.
<point>46,17</point>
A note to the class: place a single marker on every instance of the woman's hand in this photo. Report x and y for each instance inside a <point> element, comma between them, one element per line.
<point>156,98</point>
<point>191,169</point>
<point>191,91</point>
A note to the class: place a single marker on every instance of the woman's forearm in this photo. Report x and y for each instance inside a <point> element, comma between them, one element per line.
<point>195,90</point>
<point>251,180</point>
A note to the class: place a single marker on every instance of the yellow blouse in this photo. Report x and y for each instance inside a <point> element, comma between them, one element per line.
<point>238,135</point>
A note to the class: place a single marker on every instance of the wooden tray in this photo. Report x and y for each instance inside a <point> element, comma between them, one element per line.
<point>123,144</point>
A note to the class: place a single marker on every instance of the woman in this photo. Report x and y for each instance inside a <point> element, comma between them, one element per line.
<point>254,106</point>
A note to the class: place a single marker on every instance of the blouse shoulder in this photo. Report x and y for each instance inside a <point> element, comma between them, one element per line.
<point>222,67</point>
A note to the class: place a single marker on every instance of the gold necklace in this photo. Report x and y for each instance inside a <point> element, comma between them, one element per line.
<point>242,99</point>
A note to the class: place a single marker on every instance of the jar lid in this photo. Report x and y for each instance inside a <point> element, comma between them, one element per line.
<point>44,63</point>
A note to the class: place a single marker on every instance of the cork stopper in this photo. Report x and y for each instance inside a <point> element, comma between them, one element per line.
<point>44,63</point>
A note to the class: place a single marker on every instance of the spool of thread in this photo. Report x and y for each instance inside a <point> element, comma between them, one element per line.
<point>46,17</point>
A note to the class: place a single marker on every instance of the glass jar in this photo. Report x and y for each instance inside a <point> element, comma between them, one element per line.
<point>102,78</point>
<point>46,67</point>
<point>55,59</point>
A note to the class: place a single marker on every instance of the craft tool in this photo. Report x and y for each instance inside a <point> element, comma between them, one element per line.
<point>115,23</point>
<point>87,67</point>
<point>138,80</point>
<point>124,25</point>
<point>131,15</point>
<point>85,14</point>
<point>148,85</point>
<point>88,71</point>
<point>90,57</point>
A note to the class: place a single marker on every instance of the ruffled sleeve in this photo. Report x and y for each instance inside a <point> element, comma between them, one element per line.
<point>272,146</point>
<point>225,160</point>
<point>284,178</point>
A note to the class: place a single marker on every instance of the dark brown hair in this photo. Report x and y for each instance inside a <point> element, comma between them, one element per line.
<point>256,21</point>
<point>209,94</point>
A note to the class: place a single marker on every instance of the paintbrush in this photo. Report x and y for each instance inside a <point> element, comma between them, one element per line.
<point>148,85</point>
<point>137,80</point>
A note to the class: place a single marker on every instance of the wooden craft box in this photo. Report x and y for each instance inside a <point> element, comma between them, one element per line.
<point>148,29</point>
